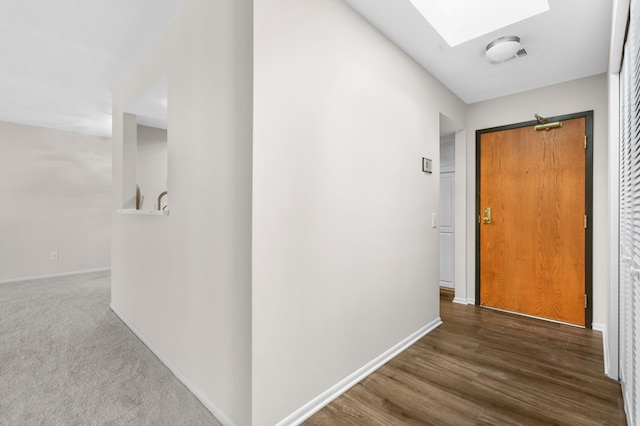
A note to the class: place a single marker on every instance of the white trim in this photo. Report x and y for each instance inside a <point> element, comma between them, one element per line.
<point>471,301</point>
<point>317,403</point>
<point>612,367</point>
<point>620,15</point>
<point>62,274</point>
<point>144,212</point>
<point>447,284</point>
<point>222,418</point>
<point>460,300</point>
<point>605,345</point>
<point>460,213</point>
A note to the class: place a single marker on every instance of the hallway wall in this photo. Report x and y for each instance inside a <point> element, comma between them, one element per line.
<point>345,260</point>
<point>183,281</point>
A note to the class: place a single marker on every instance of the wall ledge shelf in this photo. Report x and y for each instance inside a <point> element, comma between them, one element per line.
<point>144,212</point>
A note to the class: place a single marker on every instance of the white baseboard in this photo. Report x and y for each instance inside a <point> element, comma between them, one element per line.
<point>463,301</point>
<point>62,274</point>
<point>605,344</point>
<point>317,403</point>
<point>208,404</point>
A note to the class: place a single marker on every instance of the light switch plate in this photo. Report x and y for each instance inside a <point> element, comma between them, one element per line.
<point>434,220</point>
<point>426,165</point>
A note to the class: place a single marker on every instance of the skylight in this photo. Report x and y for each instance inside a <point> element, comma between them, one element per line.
<point>458,21</point>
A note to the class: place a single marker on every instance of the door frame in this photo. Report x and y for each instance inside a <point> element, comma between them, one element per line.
<point>588,285</point>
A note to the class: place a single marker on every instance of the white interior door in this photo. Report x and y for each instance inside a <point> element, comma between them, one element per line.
<point>447,215</point>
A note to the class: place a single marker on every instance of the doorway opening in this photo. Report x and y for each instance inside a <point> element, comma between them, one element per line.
<point>447,210</point>
<point>145,136</point>
<point>453,226</point>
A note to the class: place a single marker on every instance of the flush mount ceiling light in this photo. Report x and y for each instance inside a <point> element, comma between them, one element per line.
<point>502,49</point>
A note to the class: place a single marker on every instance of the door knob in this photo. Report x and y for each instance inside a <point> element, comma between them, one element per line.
<point>486,215</point>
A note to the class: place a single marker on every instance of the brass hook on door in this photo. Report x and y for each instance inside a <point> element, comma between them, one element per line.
<point>486,215</point>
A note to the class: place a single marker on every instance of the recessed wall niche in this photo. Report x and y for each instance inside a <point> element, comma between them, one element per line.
<point>145,151</point>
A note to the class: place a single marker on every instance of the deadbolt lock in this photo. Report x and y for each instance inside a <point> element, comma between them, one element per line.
<point>486,215</point>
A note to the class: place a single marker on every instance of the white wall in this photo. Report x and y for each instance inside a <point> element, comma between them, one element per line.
<point>183,281</point>
<point>55,190</point>
<point>574,96</point>
<point>345,261</point>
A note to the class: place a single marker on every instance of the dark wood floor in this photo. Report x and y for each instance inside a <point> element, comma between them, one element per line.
<point>483,367</point>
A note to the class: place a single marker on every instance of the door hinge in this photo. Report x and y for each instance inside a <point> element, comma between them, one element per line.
<point>585,141</point>
<point>585,221</point>
<point>586,301</point>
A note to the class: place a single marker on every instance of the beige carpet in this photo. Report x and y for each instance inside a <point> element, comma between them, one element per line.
<point>66,359</point>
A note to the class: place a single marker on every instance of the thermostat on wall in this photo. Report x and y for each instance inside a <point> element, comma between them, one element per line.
<point>426,165</point>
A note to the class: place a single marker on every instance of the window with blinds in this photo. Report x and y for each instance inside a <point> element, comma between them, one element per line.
<point>630,218</point>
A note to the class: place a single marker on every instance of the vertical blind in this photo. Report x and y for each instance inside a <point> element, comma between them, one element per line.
<point>630,218</point>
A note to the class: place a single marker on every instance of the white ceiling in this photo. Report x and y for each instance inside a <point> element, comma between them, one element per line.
<point>569,41</point>
<point>60,60</point>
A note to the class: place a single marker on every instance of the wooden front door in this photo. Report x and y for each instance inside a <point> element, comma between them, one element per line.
<point>532,240</point>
